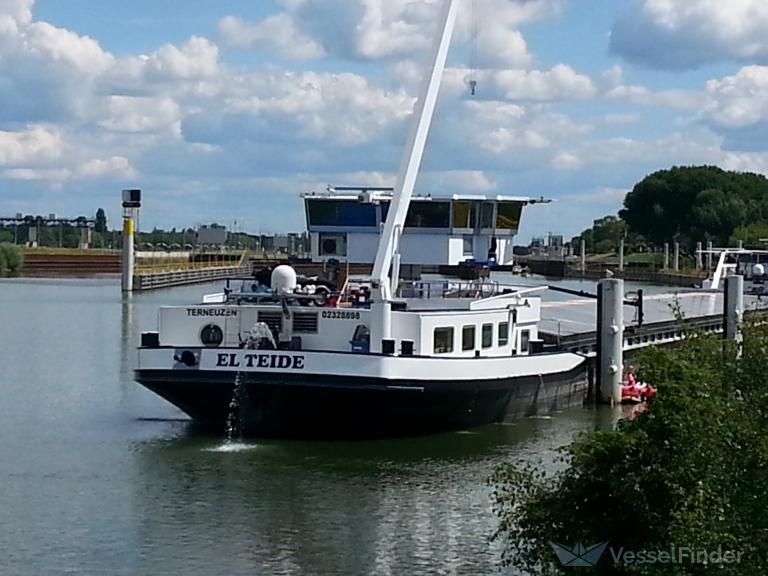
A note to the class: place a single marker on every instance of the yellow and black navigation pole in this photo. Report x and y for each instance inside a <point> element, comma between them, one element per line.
<point>131,205</point>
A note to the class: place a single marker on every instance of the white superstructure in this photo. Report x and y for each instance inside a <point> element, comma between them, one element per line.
<point>345,224</point>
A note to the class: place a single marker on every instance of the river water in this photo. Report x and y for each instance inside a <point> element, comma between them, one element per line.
<point>99,476</point>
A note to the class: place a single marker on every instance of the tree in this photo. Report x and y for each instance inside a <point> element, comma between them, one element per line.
<point>604,236</point>
<point>11,259</point>
<point>752,236</point>
<point>101,221</point>
<point>690,471</point>
<point>694,203</point>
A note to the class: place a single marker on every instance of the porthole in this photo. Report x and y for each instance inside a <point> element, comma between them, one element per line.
<point>211,335</point>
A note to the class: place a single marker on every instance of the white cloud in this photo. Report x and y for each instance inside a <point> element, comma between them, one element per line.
<point>141,114</point>
<point>746,162</point>
<point>34,174</point>
<point>675,99</point>
<point>498,128</point>
<point>614,76</point>
<point>59,45</point>
<point>372,29</point>
<point>688,33</point>
<point>334,108</point>
<point>278,32</point>
<point>566,161</point>
<point>741,99</point>
<point>33,144</point>
<point>457,181</point>
<point>18,10</point>
<point>561,82</point>
<point>116,167</point>
<point>196,58</point>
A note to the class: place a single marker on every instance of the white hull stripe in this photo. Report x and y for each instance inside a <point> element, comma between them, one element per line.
<point>359,365</point>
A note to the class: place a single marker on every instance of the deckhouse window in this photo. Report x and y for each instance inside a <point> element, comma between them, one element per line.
<point>525,338</point>
<point>487,335</point>
<point>468,245</point>
<point>503,333</point>
<point>468,338</point>
<point>443,340</point>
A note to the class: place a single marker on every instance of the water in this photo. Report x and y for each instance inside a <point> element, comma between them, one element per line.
<point>99,476</point>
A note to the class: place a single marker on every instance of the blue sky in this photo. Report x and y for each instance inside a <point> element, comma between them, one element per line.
<point>229,110</point>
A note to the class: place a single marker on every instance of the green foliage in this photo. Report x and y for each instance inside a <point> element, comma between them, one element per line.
<point>101,221</point>
<point>750,235</point>
<point>690,471</point>
<point>604,235</point>
<point>11,259</point>
<point>691,203</point>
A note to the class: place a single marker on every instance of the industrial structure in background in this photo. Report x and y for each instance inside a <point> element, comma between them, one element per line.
<point>27,228</point>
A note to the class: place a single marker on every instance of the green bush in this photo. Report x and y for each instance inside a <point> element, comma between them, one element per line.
<point>691,471</point>
<point>11,259</point>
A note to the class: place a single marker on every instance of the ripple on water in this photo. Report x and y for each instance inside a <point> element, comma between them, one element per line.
<point>231,447</point>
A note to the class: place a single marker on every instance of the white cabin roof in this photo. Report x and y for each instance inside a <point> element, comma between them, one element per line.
<point>386,193</point>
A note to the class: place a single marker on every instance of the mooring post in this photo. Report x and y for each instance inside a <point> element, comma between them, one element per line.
<point>583,248</point>
<point>676,261</point>
<point>610,352</point>
<point>709,255</point>
<point>699,260</point>
<point>621,255</point>
<point>733,307</point>
<point>131,204</point>
<point>666,255</point>
<point>128,253</point>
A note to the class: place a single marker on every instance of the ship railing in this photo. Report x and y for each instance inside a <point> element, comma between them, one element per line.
<point>476,289</point>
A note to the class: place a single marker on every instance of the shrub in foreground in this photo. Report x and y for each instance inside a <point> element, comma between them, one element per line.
<point>690,472</point>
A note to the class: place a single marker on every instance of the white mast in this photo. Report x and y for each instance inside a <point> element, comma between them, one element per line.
<point>409,167</point>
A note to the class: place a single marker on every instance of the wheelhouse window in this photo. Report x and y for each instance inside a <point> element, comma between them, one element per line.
<point>428,214</point>
<point>468,338</point>
<point>503,333</point>
<point>443,340</point>
<point>346,213</point>
<point>486,215</point>
<point>525,338</point>
<point>487,335</point>
<point>508,215</point>
<point>461,209</point>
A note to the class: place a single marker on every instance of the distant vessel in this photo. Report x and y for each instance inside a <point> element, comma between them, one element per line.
<point>381,358</point>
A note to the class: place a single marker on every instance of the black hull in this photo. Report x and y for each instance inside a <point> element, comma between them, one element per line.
<point>336,407</point>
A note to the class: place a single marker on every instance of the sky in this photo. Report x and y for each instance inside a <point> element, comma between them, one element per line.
<point>226,111</point>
